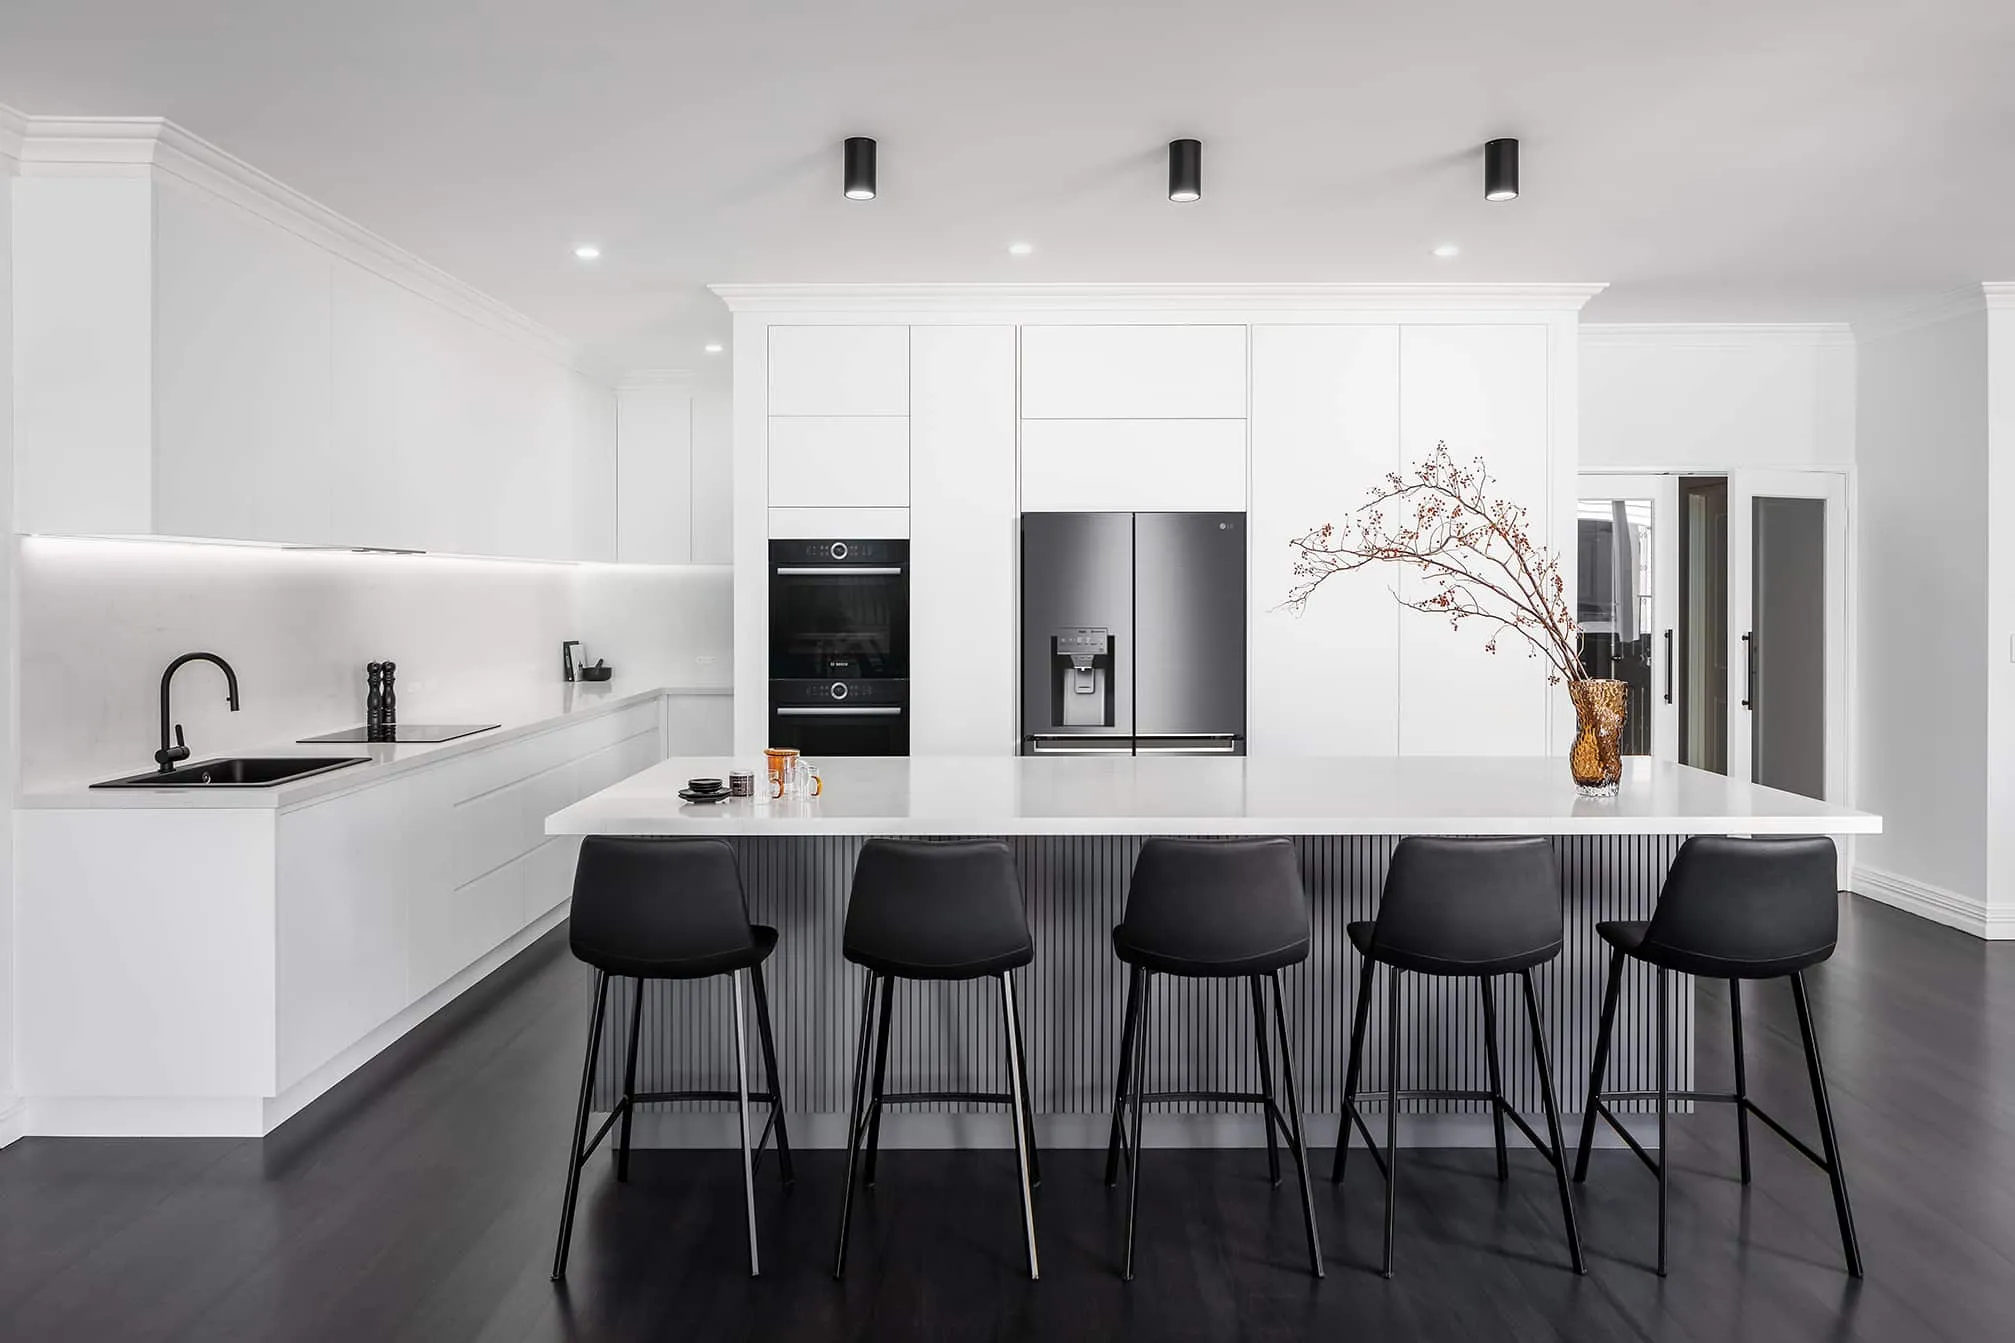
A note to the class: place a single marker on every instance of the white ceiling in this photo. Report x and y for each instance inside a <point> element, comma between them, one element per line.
<point>1712,159</point>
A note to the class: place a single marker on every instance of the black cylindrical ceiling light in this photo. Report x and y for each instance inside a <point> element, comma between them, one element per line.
<point>1500,170</point>
<point>1185,170</point>
<point>860,169</point>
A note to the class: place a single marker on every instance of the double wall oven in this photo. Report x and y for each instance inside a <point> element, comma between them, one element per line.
<point>840,646</point>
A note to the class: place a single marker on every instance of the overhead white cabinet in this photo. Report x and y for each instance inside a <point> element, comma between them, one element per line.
<point>839,370</point>
<point>1325,429</point>
<point>840,461</point>
<point>1482,389</point>
<point>1133,372</point>
<point>1133,465</point>
<point>189,367</point>
<point>964,541</point>
<point>654,475</point>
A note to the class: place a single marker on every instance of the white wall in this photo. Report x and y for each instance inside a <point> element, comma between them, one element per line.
<point>1999,624</point>
<point>100,619</point>
<point>1711,398</point>
<point>9,716</point>
<point>1921,746</point>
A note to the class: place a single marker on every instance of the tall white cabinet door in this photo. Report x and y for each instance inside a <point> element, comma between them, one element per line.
<point>1483,390</point>
<point>839,370</point>
<point>839,461</point>
<point>1131,372</point>
<point>963,540</point>
<point>1325,428</point>
<point>654,486</point>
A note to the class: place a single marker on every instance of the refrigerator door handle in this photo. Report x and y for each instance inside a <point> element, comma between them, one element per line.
<point>1190,743</point>
<point>1084,744</point>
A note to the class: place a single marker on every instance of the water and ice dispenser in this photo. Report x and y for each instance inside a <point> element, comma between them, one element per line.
<point>1081,680</point>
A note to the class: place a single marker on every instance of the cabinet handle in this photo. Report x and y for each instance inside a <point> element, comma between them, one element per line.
<point>876,711</point>
<point>1668,666</point>
<point>1749,674</point>
<point>838,570</point>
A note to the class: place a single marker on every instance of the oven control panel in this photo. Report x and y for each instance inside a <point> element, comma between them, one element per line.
<point>845,551</point>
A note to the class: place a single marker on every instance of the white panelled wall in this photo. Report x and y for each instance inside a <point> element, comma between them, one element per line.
<point>943,414</point>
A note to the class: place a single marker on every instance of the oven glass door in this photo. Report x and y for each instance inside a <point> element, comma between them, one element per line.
<point>839,623</point>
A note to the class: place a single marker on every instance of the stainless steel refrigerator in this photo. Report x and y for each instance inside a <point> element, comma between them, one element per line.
<point>1133,633</point>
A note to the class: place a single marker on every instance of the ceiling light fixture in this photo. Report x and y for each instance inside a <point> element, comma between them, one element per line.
<point>713,347</point>
<point>860,168</point>
<point>588,251</point>
<point>1447,249</point>
<point>1500,170</point>
<point>1185,170</point>
<point>1020,248</point>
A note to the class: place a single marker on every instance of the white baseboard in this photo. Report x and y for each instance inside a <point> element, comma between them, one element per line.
<point>13,1119</point>
<point>1936,903</point>
<point>247,1116</point>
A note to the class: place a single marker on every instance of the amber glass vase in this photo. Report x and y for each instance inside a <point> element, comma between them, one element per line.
<point>1596,757</point>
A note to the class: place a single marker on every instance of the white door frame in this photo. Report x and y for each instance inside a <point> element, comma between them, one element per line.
<point>1663,492</point>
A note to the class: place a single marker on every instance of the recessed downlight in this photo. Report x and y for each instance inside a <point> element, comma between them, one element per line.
<point>712,347</point>
<point>588,251</point>
<point>1020,248</point>
<point>1446,250</point>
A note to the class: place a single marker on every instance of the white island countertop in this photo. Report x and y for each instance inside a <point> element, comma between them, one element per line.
<point>1127,795</point>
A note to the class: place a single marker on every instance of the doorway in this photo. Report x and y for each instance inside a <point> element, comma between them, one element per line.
<point>1721,601</point>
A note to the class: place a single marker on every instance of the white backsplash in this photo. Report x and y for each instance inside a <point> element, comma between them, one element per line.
<point>99,620</point>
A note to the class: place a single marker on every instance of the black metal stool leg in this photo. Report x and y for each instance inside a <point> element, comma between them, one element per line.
<point>1297,1144</point>
<point>574,1157</point>
<point>856,1123</point>
<point>1558,1156</point>
<point>1489,991</point>
<point>1136,1076</point>
<point>881,1075</point>
<point>1391,1110</point>
<point>1664,1052</point>
<point>1018,1109</point>
<point>1119,1087</point>
<point>1741,1076</point>
<point>1265,1079</point>
<point>1352,1067</point>
<point>1027,1095</point>
<point>742,1109</point>
<point>1600,1066</point>
<point>769,1043</point>
<point>630,1081</point>
<point>1829,1141</point>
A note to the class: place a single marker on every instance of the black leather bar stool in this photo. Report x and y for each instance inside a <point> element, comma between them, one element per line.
<point>668,909</point>
<point>1474,908</point>
<point>1211,909</point>
<point>935,910</point>
<point>1731,909</point>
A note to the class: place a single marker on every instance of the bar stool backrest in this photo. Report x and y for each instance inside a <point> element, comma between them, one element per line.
<point>1469,901</point>
<point>647,907</point>
<point>936,903</point>
<point>1749,900</point>
<point>1216,900</point>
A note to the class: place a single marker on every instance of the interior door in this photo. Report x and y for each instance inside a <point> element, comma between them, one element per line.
<point>1787,630</point>
<point>1626,570</point>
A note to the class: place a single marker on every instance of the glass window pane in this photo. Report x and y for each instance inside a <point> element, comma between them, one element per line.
<point>1613,603</point>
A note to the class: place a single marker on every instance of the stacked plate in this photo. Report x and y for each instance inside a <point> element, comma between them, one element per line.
<point>704,790</point>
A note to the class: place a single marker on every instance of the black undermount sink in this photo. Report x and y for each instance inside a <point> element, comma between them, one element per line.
<point>237,772</point>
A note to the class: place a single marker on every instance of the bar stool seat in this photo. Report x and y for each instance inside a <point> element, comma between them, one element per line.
<point>705,965</point>
<point>1363,936</point>
<point>943,910</point>
<point>1628,937</point>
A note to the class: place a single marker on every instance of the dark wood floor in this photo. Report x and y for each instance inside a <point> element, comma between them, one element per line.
<point>419,1202</point>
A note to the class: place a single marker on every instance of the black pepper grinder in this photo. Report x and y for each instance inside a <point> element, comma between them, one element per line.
<point>374,701</point>
<point>390,719</point>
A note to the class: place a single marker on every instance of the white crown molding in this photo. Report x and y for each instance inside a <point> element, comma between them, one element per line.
<point>1998,293</point>
<point>13,130</point>
<point>154,147</point>
<point>1122,297</point>
<point>1948,305</point>
<point>1714,335</point>
<point>1935,903</point>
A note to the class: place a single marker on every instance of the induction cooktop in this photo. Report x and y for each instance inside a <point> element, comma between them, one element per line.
<point>406,732</point>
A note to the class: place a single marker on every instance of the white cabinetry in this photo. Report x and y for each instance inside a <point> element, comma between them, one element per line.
<point>1482,389</point>
<point>1133,465</point>
<point>1325,429</point>
<point>839,370</point>
<point>654,475</point>
<point>191,367</point>
<point>964,540</point>
<point>1133,372</point>
<point>838,461</point>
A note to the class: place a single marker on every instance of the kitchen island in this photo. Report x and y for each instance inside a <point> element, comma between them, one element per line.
<point>1075,825</point>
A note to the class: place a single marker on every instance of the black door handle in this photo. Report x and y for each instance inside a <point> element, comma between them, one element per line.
<point>1749,679</point>
<point>1668,666</point>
